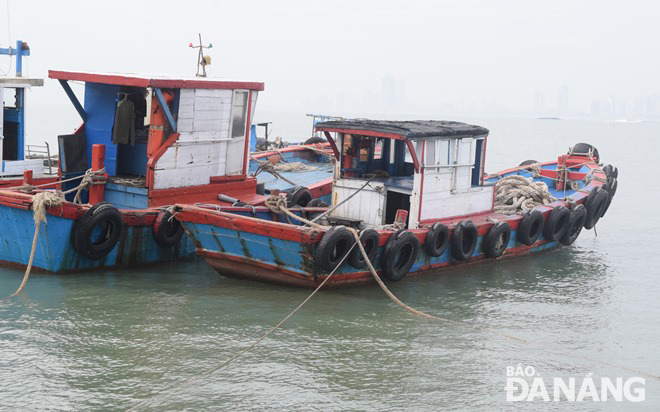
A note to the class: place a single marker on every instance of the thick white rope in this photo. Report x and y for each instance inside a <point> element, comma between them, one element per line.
<point>293,167</point>
<point>518,194</point>
<point>40,202</point>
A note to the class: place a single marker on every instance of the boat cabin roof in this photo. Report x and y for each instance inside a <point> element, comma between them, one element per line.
<point>404,130</point>
<point>155,80</point>
<point>20,82</point>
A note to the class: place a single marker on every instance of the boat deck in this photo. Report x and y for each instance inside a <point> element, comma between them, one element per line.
<point>305,178</point>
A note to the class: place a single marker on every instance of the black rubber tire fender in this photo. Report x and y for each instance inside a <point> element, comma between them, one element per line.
<point>607,206</point>
<point>464,240</point>
<point>300,196</point>
<point>611,185</point>
<point>369,239</point>
<point>75,230</point>
<point>611,171</point>
<point>332,248</point>
<point>111,224</point>
<point>578,215</point>
<point>167,230</point>
<point>318,202</point>
<point>401,252</point>
<point>530,227</point>
<point>583,149</point>
<point>596,202</point>
<point>528,162</point>
<point>557,223</point>
<point>497,239</point>
<point>437,240</point>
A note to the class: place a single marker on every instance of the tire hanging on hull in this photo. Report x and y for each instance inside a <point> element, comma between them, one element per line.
<point>98,231</point>
<point>464,240</point>
<point>400,254</point>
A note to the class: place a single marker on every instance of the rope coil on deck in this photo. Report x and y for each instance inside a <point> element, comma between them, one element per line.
<point>293,167</point>
<point>518,194</point>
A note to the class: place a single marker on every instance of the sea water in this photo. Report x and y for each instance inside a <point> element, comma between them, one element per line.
<point>109,340</point>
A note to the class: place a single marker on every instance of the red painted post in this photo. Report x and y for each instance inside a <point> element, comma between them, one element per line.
<point>561,172</point>
<point>27,177</point>
<point>98,162</point>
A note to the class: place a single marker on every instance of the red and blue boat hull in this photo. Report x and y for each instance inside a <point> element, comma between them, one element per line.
<point>267,247</point>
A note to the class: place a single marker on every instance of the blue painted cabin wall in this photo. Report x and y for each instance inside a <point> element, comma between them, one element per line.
<point>100,105</point>
<point>126,197</point>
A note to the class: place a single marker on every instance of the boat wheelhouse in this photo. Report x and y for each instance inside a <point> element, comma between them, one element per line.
<point>417,193</point>
<point>431,170</point>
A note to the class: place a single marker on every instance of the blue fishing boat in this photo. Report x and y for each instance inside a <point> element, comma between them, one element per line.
<point>416,195</point>
<point>145,143</point>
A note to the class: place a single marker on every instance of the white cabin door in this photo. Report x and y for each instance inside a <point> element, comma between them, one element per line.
<point>465,162</point>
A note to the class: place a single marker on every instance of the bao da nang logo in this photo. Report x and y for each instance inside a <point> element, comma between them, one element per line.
<point>523,383</point>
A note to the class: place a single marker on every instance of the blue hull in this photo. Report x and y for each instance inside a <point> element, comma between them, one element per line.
<point>54,252</point>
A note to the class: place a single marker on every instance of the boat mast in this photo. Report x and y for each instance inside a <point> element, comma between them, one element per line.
<point>202,61</point>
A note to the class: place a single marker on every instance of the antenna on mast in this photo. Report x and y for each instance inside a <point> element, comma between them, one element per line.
<point>202,60</point>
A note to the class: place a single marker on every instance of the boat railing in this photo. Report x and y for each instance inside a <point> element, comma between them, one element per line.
<point>33,151</point>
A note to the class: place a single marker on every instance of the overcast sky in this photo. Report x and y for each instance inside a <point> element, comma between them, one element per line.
<point>319,56</point>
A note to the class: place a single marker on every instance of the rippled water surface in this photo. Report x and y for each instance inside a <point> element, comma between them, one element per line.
<point>110,340</point>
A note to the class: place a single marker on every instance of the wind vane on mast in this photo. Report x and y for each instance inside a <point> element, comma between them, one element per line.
<point>202,60</point>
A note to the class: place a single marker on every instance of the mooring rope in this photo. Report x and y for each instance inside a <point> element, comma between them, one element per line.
<point>281,204</point>
<point>52,198</point>
<point>29,188</point>
<point>187,382</point>
<point>40,202</point>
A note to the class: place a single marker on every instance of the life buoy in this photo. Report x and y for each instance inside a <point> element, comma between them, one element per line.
<point>437,240</point>
<point>369,239</point>
<point>578,215</point>
<point>497,239</point>
<point>167,230</point>
<point>332,248</point>
<point>530,227</point>
<point>400,254</point>
<point>557,223</point>
<point>300,196</point>
<point>595,203</point>
<point>464,240</point>
<point>98,231</point>
<point>584,149</point>
<point>611,171</point>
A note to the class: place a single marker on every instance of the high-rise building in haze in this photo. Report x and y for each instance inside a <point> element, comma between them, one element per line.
<point>392,91</point>
<point>562,101</point>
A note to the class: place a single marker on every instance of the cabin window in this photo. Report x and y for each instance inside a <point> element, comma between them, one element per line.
<point>239,114</point>
<point>438,152</point>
